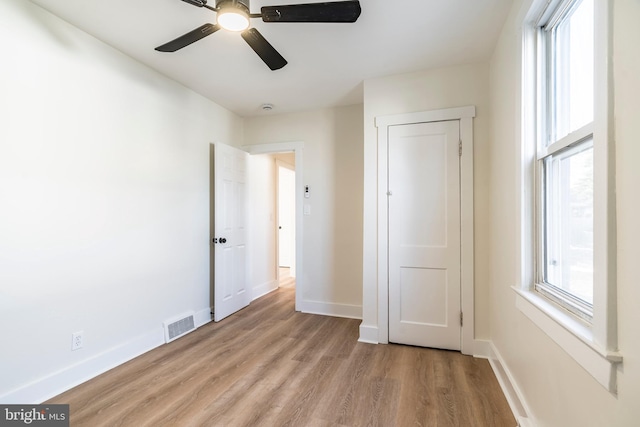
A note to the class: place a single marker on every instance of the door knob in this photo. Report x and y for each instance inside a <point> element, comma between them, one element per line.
<point>222,240</point>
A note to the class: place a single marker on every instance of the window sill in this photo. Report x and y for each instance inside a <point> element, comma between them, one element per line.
<point>572,335</point>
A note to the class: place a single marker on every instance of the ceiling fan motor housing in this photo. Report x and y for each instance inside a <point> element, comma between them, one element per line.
<point>239,4</point>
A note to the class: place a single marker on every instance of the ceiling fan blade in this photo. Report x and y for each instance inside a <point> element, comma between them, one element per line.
<point>199,3</point>
<point>337,11</point>
<point>263,48</point>
<point>187,39</point>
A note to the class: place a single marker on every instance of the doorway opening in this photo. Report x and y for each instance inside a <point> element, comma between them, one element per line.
<point>272,222</point>
<point>288,242</point>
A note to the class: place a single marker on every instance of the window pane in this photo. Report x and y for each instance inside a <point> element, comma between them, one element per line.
<point>569,221</point>
<point>572,71</point>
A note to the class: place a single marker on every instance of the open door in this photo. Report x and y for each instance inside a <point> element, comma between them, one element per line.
<point>230,287</point>
<point>286,216</point>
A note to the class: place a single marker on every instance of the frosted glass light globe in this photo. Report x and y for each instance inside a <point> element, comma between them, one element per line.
<point>233,20</point>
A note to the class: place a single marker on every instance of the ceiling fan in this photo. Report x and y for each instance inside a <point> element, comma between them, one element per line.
<point>234,15</point>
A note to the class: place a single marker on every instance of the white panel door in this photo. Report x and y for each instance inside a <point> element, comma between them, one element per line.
<point>286,217</point>
<point>424,234</point>
<point>230,283</point>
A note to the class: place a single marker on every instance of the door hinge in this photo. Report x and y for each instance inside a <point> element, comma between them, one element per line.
<point>460,148</point>
<point>461,319</point>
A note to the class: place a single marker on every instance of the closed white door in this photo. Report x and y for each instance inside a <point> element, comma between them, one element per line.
<point>230,279</point>
<point>424,234</point>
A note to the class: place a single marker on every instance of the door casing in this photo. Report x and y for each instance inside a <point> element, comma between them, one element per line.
<point>465,115</point>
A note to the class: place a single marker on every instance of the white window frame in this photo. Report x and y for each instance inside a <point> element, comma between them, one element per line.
<point>592,345</point>
<point>549,145</point>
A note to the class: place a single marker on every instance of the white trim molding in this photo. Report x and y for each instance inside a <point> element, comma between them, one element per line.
<point>485,349</point>
<point>71,376</point>
<point>572,336</point>
<point>368,334</point>
<point>263,289</point>
<point>481,349</point>
<point>513,394</point>
<point>465,116</point>
<point>332,309</point>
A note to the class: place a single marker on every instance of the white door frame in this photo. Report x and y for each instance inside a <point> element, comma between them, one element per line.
<point>297,149</point>
<point>465,115</point>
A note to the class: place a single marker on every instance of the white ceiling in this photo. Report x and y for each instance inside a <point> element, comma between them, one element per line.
<point>327,62</point>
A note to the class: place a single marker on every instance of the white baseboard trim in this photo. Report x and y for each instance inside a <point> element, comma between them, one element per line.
<point>263,289</point>
<point>368,334</point>
<point>482,349</point>
<point>58,382</point>
<point>510,388</point>
<point>331,309</point>
<point>203,317</point>
<point>65,379</point>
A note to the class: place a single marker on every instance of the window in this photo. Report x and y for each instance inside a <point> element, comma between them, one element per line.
<point>564,267</point>
<point>567,176</point>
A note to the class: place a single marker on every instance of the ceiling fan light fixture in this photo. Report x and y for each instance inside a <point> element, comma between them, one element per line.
<point>233,19</point>
<point>234,15</point>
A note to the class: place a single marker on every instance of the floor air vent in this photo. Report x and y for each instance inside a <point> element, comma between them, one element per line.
<point>176,329</point>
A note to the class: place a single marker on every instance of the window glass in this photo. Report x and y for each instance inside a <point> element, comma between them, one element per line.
<point>569,221</point>
<point>566,263</point>
<point>571,66</point>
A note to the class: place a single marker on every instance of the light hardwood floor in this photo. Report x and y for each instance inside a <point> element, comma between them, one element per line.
<point>270,366</point>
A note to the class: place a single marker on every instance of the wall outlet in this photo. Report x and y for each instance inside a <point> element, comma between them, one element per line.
<point>77,340</point>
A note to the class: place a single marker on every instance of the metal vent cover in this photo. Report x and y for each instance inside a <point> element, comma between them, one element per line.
<point>177,328</point>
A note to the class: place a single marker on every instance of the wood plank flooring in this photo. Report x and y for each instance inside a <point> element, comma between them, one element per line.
<point>270,366</point>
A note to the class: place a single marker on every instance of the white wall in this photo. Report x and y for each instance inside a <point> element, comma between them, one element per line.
<point>555,388</point>
<point>423,91</point>
<point>332,167</point>
<point>104,203</point>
